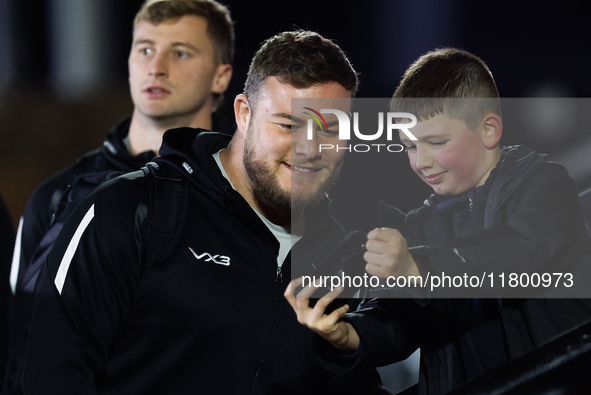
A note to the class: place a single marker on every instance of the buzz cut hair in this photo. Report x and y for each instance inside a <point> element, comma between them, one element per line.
<point>302,59</point>
<point>448,81</point>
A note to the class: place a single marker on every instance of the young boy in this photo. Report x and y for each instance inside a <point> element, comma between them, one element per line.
<point>494,210</point>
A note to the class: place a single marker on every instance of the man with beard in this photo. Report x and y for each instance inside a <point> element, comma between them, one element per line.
<point>209,316</point>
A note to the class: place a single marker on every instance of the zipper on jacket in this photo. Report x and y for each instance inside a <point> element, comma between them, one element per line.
<point>279,277</point>
<point>278,280</point>
<point>61,204</point>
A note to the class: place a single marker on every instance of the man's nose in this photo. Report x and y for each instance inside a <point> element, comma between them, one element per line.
<point>306,145</point>
<point>158,65</point>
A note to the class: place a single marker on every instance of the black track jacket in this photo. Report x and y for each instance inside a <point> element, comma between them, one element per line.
<point>210,319</point>
<point>112,156</point>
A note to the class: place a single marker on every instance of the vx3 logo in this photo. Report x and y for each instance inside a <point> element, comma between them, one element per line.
<point>218,259</point>
<point>345,124</point>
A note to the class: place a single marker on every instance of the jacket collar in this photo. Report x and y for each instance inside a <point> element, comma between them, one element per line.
<point>115,150</point>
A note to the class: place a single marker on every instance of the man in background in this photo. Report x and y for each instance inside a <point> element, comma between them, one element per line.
<point>179,67</point>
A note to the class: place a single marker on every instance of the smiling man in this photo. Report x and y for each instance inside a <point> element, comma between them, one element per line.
<point>208,316</point>
<point>289,168</point>
<point>179,67</point>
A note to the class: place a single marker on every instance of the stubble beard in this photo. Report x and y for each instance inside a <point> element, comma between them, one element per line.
<point>266,185</point>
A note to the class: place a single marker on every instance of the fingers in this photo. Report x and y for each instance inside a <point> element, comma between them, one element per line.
<point>289,291</point>
<point>314,317</point>
<point>377,270</point>
<point>387,235</point>
<point>333,318</point>
<point>385,241</point>
<point>301,299</point>
<point>327,299</point>
<point>386,250</point>
<point>331,327</point>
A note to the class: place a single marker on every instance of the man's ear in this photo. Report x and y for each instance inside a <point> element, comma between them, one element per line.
<point>242,113</point>
<point>492,130</point>
<point>221,79</point>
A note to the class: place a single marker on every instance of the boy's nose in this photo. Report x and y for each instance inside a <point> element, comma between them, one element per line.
<point>423,160</point>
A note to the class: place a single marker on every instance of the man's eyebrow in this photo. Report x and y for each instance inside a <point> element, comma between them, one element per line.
<point>183,44</point>
<point>286,116</point>
<point>143,41</point>
<point>174,44</point>
<point>300,120</point>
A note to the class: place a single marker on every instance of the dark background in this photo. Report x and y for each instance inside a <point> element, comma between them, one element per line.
<point>47,120</point>
<point>63,80</point>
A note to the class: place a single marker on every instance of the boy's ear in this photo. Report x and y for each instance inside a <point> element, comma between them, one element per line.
<point>492,130</point>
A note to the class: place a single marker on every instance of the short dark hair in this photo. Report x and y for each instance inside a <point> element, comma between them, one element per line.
<point>445,78</point>
<point>220,26</point>
<point>301,58</point>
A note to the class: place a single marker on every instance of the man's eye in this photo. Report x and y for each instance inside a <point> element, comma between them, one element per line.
<point>182,54</point>
<point>438,144</point>
<point>146,51</point>
<point>411,148</point>
<point>286,126</point>
<point>331,133</point>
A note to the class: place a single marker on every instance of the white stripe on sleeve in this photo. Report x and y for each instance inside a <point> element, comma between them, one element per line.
<point>62,271</point>
<point>16,257</point>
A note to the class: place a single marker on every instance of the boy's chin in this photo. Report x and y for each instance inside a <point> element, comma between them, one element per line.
<point>441,190</point>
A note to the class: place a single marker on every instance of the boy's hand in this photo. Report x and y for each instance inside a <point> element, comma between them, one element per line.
<point>387,254</point>
<point>331,327</point>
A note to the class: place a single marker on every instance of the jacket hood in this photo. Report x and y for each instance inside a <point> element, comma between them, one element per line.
<point>190,151</point>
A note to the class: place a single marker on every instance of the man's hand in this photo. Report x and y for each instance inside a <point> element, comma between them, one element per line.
<point>387,254</point>
<point>331,327</point>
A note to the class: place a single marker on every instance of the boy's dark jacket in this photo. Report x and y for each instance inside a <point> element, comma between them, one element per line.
<point>531,222</point>
<point>211,318</point>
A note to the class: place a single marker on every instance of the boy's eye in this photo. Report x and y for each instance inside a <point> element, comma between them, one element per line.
<point>182,54</point>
